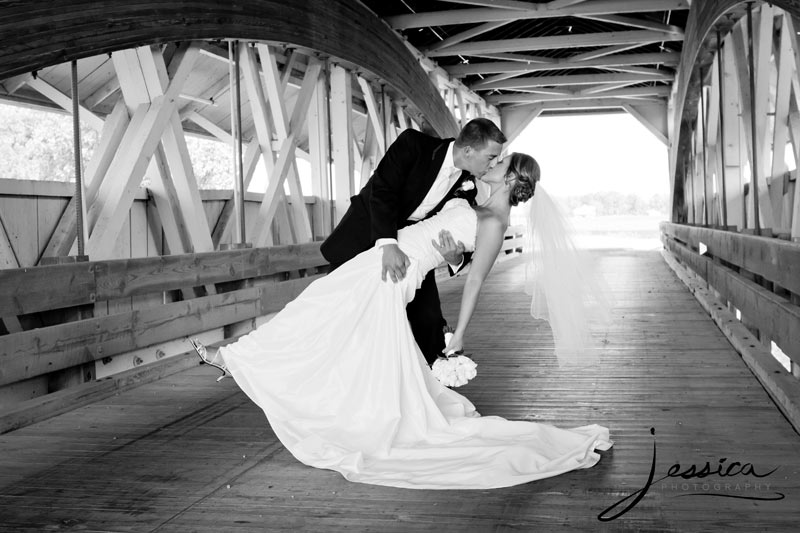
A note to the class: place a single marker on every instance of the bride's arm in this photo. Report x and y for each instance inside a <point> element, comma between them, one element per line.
<point>488,242</point>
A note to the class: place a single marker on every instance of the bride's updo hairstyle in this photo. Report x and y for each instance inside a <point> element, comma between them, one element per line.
<point>524,170</point>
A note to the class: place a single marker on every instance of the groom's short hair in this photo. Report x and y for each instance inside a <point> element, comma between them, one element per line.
<point>479,131</point>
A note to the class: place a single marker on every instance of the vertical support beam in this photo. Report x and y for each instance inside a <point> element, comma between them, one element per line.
<point>731,124</point>
<point>318,146</point>
<point>369,154</point>
<point>80,206</point>
<point>780,137</point>
<point>792,25</point>
<point>712,135</point>
<point>236,141</point>
<point>756,170</point>
<point>721,149</point>
<point>390,133</point>
<point>374,115</point>
<point>401,117</point>
<point>462,111</point>
<point>341,135</point>
<point>704,138</point>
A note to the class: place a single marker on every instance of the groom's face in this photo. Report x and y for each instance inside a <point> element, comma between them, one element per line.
<point>478,161</point>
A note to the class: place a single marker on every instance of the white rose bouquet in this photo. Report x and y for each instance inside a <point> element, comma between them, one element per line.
<point>454,369</point>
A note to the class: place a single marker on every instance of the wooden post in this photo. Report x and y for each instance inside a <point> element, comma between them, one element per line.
<point>724,203</point>
<point>705,149</point>
<point>236,128</point>
<point>76,148</point>
<point>753,134</point>
<point>342,137</point>
<point>319,148</point>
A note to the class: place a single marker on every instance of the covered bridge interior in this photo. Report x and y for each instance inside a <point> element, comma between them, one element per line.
<point>107,422</point>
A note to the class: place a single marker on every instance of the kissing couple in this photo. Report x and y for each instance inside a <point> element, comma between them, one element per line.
<point>342,372</point>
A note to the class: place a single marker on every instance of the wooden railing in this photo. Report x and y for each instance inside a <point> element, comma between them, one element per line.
<point>751,287</point>
<point>74,339</point>
<point>218,295</point>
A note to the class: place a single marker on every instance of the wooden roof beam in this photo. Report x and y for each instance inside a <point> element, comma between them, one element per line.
<point>583,79</point>
<point>661,91</point>
<point>634,23</point>
<point>500,4</point>
<point>602,52</point>
<point>558,41</point>
<point>468,34</point>
<point>534,11</point>
<point>521,58</point>
<point>622,60</point>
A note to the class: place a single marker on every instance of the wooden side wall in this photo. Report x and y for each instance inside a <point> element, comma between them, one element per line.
<point>30,211</point>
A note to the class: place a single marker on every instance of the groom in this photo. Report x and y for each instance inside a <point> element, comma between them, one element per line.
<point>414,179</point>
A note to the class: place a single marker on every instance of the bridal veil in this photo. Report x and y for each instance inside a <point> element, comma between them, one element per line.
<point>565,287</point>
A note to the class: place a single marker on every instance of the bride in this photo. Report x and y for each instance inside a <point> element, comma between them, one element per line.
<point>345,387</point>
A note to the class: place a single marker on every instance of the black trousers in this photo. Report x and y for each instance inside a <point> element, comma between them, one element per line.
<point>425,317</point>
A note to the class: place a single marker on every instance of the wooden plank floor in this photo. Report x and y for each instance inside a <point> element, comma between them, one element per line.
<point>189,454</point>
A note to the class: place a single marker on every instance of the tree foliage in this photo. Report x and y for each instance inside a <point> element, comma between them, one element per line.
<point>617,203</point>
<point>38,145</point>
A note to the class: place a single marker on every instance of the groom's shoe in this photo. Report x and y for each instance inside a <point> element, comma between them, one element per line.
<point>202,353</point>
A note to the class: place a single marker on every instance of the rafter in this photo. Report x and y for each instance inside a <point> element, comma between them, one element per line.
<point>619,93</point>
<point>534,11</point>
<point>521,58</point>
<point>669,59</point>
<point>500,4</point>
<point>467,34</point>
<point>607,51</point>
<point>634,23</point>
<point>558,41</point>
<point>101,93</point>
<point>64,101</point>
<point>592,103</point>
<point>597,89</point>
<point>582,79</point>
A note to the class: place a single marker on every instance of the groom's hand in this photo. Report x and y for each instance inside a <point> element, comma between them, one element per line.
<point>395,263</point>
<point>452,251</point>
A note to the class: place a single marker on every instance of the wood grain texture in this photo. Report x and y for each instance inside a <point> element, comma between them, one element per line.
<point>39,33</point>
<point>776,317</point>
<point>188,454</point>
<point>774,259</point>
<point>697,52</point>
<point>31,353</point>
<point>27,290</point>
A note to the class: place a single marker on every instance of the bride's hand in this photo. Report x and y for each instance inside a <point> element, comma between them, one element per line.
<point>456,344</point>
<point>395,262</point>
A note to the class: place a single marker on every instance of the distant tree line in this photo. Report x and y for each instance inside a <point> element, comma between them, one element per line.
<point>616,203</point>
<point>37,145</point>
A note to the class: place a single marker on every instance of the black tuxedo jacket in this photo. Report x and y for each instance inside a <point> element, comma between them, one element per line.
<point>403,177</point>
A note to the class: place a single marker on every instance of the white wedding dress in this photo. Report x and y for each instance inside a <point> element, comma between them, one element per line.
<point>346,388</point>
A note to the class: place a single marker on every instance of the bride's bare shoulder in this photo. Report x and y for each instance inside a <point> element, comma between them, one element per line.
<point>491,219</point>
